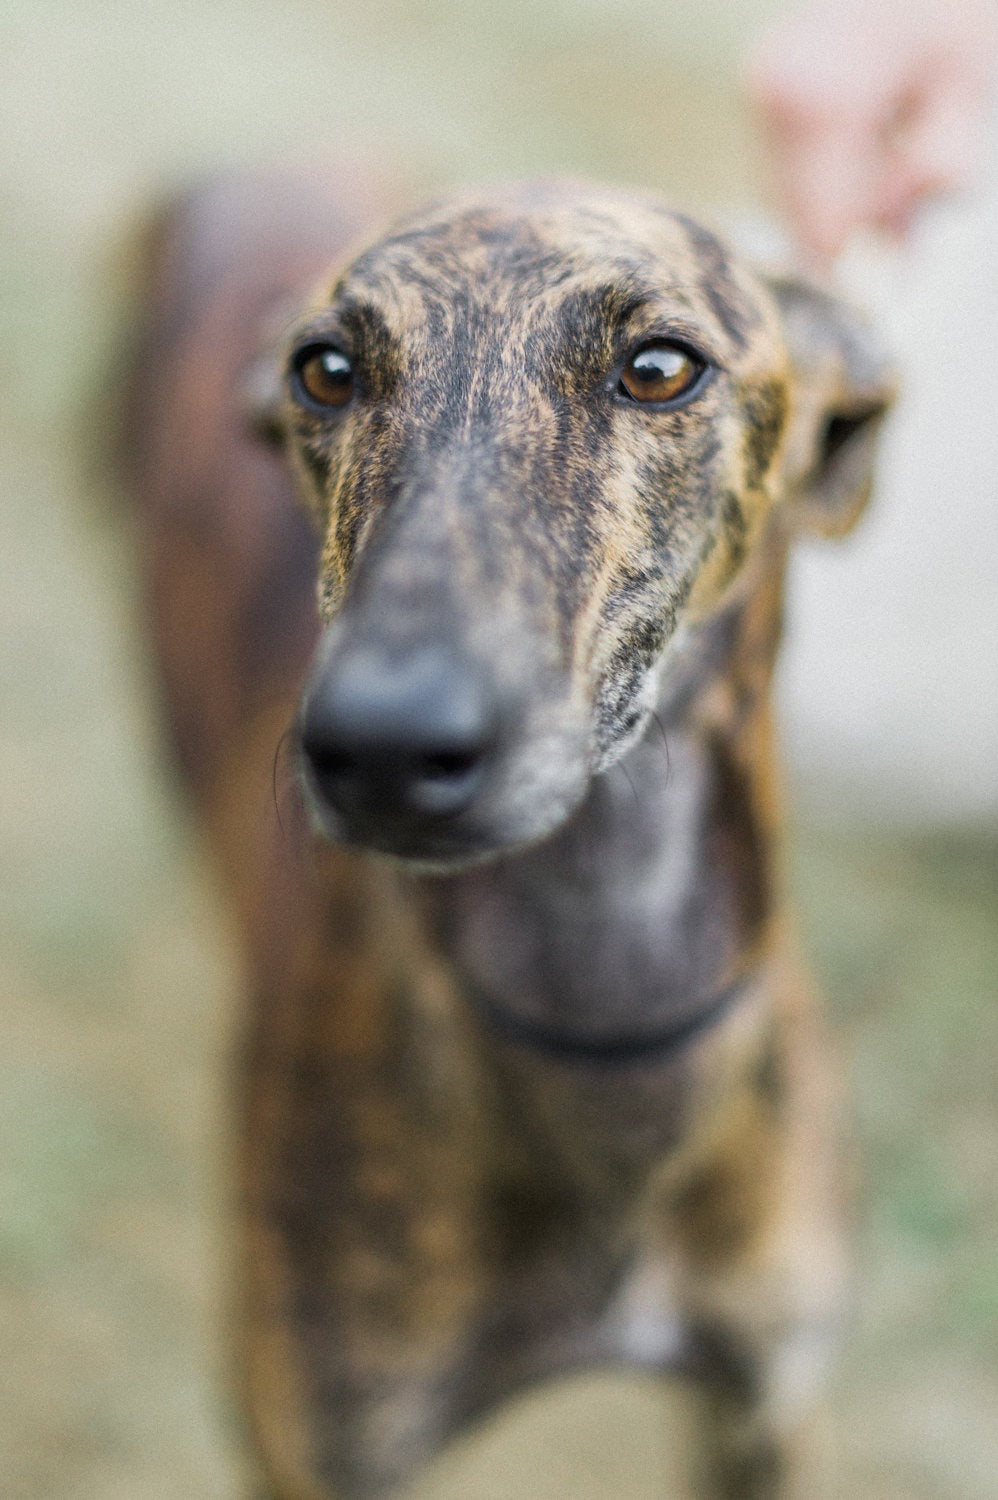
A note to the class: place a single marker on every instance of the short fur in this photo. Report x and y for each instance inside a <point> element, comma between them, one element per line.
<point>540,1085</point>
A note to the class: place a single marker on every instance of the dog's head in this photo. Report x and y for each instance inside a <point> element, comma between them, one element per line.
<point>539,431</point>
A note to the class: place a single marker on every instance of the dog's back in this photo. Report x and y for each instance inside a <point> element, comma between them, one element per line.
<point>228,554</point>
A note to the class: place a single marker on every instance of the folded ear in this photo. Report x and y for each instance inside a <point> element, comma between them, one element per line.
<point>843,386</point>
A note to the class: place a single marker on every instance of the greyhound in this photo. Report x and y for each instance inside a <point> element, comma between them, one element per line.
<point>534,1079</point>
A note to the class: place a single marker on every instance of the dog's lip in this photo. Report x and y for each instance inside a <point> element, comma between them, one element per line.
<point>443,838</point>
<point>437,843</point>
<point>423,851</point>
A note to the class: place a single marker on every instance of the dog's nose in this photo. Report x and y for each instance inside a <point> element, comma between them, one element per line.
<point>387,740</point>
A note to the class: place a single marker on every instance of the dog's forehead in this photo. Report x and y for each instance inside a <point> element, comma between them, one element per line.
<point>539,248</point>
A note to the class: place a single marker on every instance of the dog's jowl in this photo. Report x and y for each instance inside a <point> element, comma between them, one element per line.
<point>466,570</point>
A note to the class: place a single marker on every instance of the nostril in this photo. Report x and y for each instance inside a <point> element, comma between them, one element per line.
<point>441,783</point>
<point>327,762</point>
<point>337,775</point>
<point>328,753</point>
<point>447,765</point>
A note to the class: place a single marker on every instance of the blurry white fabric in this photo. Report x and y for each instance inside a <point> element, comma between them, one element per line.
<point>889,675</point>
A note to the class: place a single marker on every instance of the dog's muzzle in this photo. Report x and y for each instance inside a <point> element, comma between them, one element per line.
<point>397,749</point>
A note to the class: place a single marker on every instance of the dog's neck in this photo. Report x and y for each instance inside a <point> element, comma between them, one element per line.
<point>654,898</point>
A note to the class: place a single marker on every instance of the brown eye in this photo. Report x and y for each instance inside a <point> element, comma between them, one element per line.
<point>660,373</point>
<point>324,375</point>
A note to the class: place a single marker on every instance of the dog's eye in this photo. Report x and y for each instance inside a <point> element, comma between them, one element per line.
<point>660,373</point>
<point>323,374</point>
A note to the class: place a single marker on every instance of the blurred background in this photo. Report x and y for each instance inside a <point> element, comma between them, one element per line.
<point>116,963</point>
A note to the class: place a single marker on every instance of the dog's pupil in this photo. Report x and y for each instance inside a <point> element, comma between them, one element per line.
<point>335,367</point>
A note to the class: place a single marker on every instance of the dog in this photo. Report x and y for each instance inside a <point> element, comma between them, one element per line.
<point>534,1079</point>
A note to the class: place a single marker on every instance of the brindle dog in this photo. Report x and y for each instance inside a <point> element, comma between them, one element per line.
<point>534,1079</point>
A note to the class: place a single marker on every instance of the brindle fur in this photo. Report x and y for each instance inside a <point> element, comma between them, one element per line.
<point>437,1209</point>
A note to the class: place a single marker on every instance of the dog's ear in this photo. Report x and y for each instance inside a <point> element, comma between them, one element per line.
<point>843,386</point>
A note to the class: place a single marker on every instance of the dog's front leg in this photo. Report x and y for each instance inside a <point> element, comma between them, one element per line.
<point>361,1219</point>
<point>762,1267</point>
<point>356,1340</point>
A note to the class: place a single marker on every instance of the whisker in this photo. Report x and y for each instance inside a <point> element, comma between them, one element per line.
<point>665,742</point>
<point>279,751</point>
<point>627,776</point>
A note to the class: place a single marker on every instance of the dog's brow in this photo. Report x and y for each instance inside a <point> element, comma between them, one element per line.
<point>362,319</point>
<point>718,285</point>
<point>610,315</point>
<point>615,301</point>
